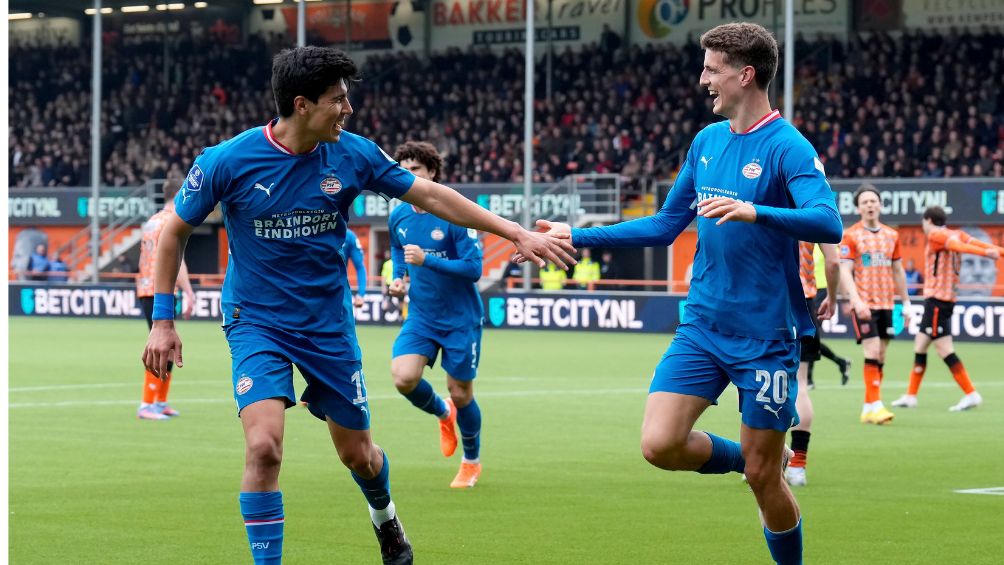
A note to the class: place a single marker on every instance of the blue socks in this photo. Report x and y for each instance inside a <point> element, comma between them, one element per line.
<point>263,520</point>
<point>726,457</point>
<point>469,422</point>
<point>377,489</point>
<point>785,547</point>
<point>425,398</point>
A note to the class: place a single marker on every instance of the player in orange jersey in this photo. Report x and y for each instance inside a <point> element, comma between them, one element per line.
<point>872,273</point>
<point>795,473</point>
<point>153,405</point>
<point>941,279</point>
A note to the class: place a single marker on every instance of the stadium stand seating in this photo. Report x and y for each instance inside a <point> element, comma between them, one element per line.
<point>907,106</point>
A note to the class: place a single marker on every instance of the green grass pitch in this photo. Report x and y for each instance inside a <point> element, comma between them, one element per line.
<point>564,480</point>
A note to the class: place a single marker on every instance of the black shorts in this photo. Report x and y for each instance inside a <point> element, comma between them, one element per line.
<point>937,320</point>
<point>810,344</point>
<point>879,326</point>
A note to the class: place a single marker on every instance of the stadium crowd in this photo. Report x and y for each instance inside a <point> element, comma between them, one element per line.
<point>913,105</point>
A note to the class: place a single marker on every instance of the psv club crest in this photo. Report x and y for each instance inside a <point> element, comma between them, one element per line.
<point>331,186</point>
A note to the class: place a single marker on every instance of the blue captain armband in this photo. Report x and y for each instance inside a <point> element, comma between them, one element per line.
<point>163,306</point>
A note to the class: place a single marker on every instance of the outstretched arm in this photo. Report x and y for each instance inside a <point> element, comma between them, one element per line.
<point>974,246</point>
<point>659,229</point>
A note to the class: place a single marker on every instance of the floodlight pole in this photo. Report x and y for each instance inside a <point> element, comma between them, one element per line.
<point>301,23</point>
<point>528,131</point>
<point>96,144</point>
<point>789,60</point>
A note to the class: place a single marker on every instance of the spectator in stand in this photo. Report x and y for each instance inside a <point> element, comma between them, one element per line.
<point>38,265</point>
<point>914,279</point>
<point>513,272</point>
<point>840,95</point>
<point>552,278</point>
<point>609,270</point>
<point>58,271</point>
<point>586,271</point>
<point>123,265</point>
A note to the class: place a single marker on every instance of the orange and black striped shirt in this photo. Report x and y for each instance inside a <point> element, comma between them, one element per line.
<point>943,261</point>
<point>807,268</point>
<point>148,252</point>
<point>873,252</point>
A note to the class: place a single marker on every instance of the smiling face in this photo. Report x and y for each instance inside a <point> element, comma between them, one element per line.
<point>326,119</point>
<point>724,82</point>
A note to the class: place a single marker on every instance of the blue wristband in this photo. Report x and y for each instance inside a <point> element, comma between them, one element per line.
<point>163,306</point>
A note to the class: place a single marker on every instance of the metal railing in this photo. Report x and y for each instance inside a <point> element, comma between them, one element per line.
<point>576,200</point>
<point>77,251</point>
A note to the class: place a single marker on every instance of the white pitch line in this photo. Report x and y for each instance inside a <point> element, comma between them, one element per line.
<point>990,490</point>
<point>98,385</point>
<point>183,383</point>
<point>585,392</point>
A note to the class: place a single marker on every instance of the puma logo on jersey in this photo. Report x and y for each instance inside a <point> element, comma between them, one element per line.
<point>774,411</point>
<point>267,191</point>
<point>403,232</point>
<point>706,160</point>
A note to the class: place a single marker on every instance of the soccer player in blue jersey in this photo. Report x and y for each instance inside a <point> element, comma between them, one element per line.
<point>353,253</point>
<point>756,188</point>
<point>445,313</point>
<point>285,190</point>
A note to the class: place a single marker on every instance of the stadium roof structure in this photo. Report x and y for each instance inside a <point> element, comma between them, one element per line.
<point>75,8</point>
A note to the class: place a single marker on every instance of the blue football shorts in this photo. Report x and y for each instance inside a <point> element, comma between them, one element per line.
<point>263,359</point>
<point>702,362</point>
<point>461,347</point>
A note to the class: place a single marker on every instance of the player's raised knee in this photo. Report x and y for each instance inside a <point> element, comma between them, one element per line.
<point>405,376</point>
<point>664,454</point>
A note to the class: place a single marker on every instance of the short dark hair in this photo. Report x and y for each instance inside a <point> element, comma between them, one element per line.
<point>937,215</point>
<point>308,71</point>
<point>423,152</point>
<point>863,189</point>
<point>745,44</point>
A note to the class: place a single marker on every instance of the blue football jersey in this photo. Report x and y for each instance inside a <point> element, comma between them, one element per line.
<point>443,291</point>
<point>745,276</point>
<point>285,216</point>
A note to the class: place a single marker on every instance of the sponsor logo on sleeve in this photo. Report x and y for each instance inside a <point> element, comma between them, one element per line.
<point>195,178</point>
<point>193,183</point>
